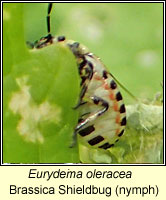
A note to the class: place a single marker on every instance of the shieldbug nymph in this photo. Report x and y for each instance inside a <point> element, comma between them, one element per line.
<point>102,111</point>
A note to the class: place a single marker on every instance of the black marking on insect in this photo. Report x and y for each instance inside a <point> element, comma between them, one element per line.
<point>89,70</point>
<point>96,100</point>
<point>106,146</point>
<point>96,140</point>
<point>105,74</point>
<point>118,96</point>
<point>121,133</point>
<point>123,122</point>
<point>81,65</point>
<point>102,111</point>
<point>113,84</point>
<point>87,130</point>
<point>122,109</point>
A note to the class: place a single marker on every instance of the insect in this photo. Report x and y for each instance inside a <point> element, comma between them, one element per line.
<point>102,111</point>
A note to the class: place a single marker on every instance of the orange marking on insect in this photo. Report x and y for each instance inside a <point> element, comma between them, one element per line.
<point>117,131</point>
<point>106,86</point>
<point>112,96</point>
<point>117,120</point>
<point>115,106</point>
<point>96,77</point>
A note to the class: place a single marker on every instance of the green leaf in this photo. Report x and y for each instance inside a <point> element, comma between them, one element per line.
<point>40,88</point>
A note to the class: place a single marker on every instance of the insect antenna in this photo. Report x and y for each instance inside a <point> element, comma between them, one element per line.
<point>48,20</point>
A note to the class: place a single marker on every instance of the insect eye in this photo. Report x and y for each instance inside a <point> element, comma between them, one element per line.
<point>61,38</point>
<point>76,44</point>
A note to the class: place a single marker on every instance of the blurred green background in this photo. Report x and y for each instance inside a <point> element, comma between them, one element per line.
<point>128,37</point>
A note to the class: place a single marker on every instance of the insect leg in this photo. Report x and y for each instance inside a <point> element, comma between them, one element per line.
<point>98,101</point>
<point>75,132</point>
<point>82,93</point>
<point>91,117</point>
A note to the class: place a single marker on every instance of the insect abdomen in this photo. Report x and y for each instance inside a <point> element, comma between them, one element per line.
<point>107,127</point>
